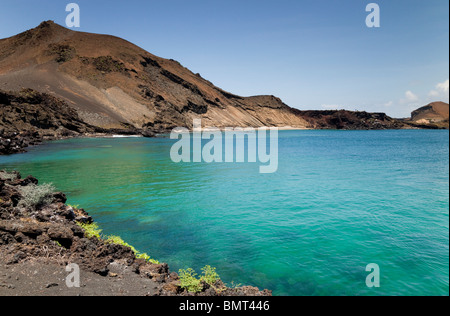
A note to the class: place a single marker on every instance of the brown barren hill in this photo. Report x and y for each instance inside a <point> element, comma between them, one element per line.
<point>112,83</point>
<point>433,113</point>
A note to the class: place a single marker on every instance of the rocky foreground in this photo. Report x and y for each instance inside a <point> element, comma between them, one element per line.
<point>40,235</point>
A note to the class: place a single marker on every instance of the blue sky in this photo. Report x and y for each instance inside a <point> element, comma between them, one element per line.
<point>314,54</point>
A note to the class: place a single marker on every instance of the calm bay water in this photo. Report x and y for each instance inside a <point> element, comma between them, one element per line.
<point>339,201</point>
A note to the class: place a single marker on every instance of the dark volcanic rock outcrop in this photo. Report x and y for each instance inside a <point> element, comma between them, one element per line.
<point>348,120</point>
<point>28,117</point>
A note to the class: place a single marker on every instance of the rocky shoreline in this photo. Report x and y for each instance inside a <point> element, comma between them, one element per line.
<point>27,118</point>
<point>39,230</point>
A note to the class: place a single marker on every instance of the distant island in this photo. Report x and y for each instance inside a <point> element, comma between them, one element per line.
<point>434,114</point>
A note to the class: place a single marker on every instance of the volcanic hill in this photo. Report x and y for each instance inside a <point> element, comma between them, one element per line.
<point>113,83</point>
<point>434,113</point>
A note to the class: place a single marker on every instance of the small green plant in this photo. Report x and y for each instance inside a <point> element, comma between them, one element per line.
<point>190,282</point>
<point>91,230</point>
<point>147,258</point>
<point>154,261</point>
<point>36,195</point>
<point>143,256</point>
<point>94,231</point>
<point>210,275</point>
<point>116,240</point>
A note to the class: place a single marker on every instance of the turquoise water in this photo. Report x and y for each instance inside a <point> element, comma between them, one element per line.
<point>339,201</point>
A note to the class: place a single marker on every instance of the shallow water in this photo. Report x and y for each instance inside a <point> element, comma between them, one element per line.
<point>339,201</point>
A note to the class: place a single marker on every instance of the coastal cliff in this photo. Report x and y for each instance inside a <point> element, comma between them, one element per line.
<point>28,117</point>
<point>39,231</point>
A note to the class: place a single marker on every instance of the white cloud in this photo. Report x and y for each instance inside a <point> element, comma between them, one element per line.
<point>443,86</point>
<point>441,91</point>
<point>433,94</point>
<point>411,97</point>
<point>410,101</point>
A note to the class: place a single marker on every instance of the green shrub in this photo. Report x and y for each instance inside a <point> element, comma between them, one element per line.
<point>147,258</point>
<point>210,275</point>
<point>119,241</point>
<point>116,240</point>
<point>91,230</point>
<point>190,282</point>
